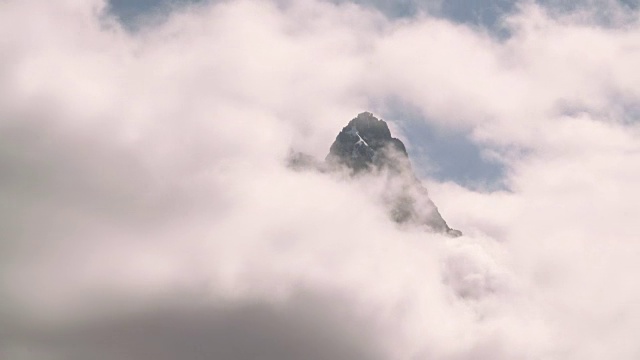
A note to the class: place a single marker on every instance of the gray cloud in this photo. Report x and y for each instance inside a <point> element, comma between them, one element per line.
<point>306,326</point>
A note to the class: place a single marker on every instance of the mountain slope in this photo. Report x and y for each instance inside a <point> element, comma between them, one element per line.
<point>365,147</point>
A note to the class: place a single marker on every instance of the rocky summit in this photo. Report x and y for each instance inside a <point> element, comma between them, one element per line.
<point>365,147</point>
<point>366,143</point>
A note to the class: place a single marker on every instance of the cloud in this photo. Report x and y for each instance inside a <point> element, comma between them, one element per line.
<point>147,206</point>
<point>297,329</point>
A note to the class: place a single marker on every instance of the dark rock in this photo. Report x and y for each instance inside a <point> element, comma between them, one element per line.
<point>366,142</point>
<point>365,146</point>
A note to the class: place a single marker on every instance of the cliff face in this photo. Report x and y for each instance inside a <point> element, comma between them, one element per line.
<point>365,146</point>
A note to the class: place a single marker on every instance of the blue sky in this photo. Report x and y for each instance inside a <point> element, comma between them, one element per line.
<point>446,154</point>
<point>486,13</point>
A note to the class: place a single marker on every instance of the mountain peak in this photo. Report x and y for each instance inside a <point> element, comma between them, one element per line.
<point>365,147</point>
<point>366,142</point>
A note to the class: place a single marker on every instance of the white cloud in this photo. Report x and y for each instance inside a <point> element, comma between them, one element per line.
<point>144,173</point>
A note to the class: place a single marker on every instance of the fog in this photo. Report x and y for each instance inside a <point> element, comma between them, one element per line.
<point>147,210</point>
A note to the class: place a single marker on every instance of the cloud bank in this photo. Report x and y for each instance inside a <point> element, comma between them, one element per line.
<point>147,211</point>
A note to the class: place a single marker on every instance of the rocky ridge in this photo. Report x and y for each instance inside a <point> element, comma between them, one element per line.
<point>365,147</point>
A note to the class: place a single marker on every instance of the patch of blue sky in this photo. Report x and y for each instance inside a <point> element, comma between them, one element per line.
<point>130,13</point>
<point>446,154</point>
<point>483,13</point>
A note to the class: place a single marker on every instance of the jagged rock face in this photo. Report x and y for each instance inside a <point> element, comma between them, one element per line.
<point>365,143</point>
<point>365,146</point>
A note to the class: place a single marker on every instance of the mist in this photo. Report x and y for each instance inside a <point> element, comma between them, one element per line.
<point>147,210</point>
